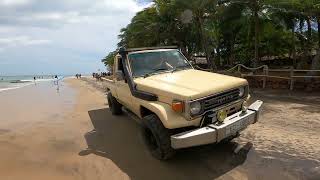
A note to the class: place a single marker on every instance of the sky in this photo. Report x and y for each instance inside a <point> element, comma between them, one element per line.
<point>60,36</point>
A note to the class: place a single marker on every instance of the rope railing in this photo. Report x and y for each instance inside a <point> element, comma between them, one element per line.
<point>245,67</point>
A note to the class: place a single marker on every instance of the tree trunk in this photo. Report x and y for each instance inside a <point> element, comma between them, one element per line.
<point>232,55</point>
<point>218,56</point>
<point>301,23</point>
<point>315,63</point>
<point>256,38</point>
<point>212,59</point>
<point>318,21</point>
<point>309,46</point>
<point>303,56</point>
<point>309,29</point>
<point>183,49</point>
<point>293,50</point>
<point>204,44</point>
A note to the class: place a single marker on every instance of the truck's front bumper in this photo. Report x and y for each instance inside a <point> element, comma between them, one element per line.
<point>215,133</point>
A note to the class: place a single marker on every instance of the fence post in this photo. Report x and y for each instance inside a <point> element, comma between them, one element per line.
<point>239,68</point>
<point>291,78</point>
<point>266,73</point>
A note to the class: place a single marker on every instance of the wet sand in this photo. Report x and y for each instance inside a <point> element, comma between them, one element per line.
<point>44,134</point>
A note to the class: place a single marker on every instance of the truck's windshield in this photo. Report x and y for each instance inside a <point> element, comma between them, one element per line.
<point>147,63</point>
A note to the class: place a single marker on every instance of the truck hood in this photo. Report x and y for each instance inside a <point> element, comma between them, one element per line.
<point>187,84</point>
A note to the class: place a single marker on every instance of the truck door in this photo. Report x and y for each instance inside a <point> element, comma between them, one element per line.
<point>123,92</point>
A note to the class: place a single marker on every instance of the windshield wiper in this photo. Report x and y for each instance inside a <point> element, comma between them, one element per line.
<point>155,70</point>
<point>178,67</point>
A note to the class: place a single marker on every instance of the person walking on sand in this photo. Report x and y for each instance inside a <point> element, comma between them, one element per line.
<point>55,80</point>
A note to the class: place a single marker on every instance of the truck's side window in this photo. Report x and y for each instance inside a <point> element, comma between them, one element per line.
<point>120,66</point>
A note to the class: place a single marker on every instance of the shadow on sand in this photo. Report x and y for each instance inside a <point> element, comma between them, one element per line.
<point>118,138</point>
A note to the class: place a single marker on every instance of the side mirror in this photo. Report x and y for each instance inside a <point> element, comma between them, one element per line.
<point>119,76</point>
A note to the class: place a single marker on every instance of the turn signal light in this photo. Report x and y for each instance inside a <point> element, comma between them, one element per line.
<point>177,106</point>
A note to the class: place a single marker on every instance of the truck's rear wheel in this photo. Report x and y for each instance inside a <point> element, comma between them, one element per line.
<point>114,105</point>
<point>157,137</point>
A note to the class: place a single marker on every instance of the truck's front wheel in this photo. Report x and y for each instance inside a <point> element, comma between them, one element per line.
<point>157,137</point>
<point>114,105</point>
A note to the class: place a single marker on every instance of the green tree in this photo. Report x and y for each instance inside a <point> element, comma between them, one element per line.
<point>109,59</point>
<point>142,31</point>
<point>227,31</point>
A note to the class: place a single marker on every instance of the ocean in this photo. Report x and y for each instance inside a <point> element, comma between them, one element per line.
<point>14,82</point>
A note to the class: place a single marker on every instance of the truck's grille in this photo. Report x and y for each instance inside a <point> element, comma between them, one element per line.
<point>220,99</point>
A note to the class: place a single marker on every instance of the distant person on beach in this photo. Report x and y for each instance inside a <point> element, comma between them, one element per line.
<point>79,75</point>
<point>34,79</point>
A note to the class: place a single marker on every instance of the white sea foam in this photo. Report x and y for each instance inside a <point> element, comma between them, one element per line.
<point>15,87</point>
<point>16,84</point>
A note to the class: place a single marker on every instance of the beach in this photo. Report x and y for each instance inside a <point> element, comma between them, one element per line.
<point>45,132</point>
<point>42,131</point>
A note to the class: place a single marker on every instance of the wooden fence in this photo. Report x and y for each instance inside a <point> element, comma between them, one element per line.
<point>292,75</point>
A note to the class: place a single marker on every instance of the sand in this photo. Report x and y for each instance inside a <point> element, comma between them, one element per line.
<point>44,134</point>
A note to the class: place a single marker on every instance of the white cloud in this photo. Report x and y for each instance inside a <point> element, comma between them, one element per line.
<point>61,31</point>
<point>124,4</point>
<point>14,2</point>
<point>13,42</point>
<point>49,13</point>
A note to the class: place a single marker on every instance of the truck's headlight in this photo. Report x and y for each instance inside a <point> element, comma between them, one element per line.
<point>241,91</point>
<point>195,108</point>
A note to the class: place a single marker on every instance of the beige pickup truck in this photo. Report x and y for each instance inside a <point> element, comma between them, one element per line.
<point>178,106</point>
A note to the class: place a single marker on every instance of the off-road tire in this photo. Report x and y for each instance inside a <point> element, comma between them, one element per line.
<point>157,137</point>
<point>114,105</point>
